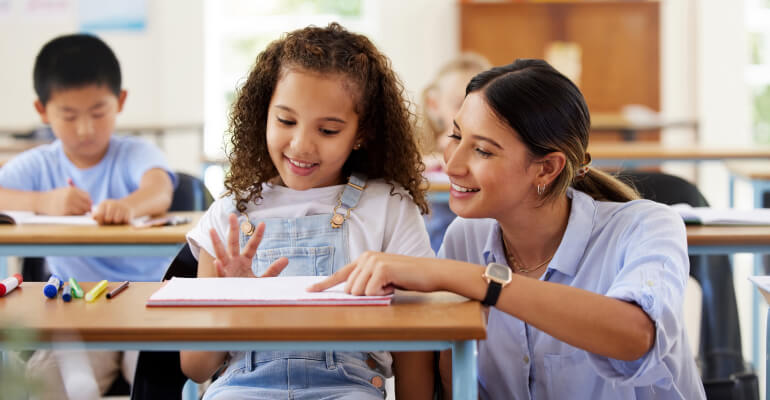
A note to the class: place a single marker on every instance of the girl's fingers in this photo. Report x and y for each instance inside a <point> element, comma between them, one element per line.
<point>220,268</point>
<point>276,267</point>
<point>251,246</point>
<point>333,280</point>
<point>232,237</point>
<point>219,248</point>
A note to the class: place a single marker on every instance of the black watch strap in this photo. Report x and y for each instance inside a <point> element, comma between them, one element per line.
<point>493,292</point>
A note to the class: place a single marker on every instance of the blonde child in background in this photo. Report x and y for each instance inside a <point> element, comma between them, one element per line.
<point>441,100</point>
<point>324,167</point>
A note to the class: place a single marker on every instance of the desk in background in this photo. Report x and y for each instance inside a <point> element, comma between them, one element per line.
<point>92,241</point>
<point>630,131</point>
<point>414,322</point>
<point>737,239</point>
<point>635,154</point>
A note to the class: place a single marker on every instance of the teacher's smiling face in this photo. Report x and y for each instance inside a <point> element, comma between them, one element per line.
<point>491,171</point>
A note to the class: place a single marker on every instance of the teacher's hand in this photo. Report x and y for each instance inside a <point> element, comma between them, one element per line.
<point>377,274</point>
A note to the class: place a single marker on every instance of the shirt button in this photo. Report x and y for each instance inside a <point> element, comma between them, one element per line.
<point>377,382</point>
<point>526,359</point>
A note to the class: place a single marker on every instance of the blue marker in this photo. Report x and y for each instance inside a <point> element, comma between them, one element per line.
<point>66,293</point>
<point>51,289</point>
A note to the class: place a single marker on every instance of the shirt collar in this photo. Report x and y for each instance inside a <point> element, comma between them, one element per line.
<point>579,228</point>
<point>573,243</point>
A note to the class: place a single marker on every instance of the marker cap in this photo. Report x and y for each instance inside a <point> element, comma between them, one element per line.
<point>4,290</point>
<point>66,294</point>
<point>50,291</point>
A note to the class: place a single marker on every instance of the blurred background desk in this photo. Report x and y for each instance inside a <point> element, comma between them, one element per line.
<point>96,241</point>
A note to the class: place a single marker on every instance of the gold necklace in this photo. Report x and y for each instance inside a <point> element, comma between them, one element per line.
<point>517,266</point>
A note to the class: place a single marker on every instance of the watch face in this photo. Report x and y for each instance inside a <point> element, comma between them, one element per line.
<point>498,271</point>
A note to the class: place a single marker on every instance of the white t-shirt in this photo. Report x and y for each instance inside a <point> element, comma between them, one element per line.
<point>380,222</point>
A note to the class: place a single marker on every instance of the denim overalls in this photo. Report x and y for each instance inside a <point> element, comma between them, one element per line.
<point>315,248</point>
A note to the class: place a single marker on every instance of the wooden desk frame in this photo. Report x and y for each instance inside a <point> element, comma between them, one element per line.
<point>453,322</point>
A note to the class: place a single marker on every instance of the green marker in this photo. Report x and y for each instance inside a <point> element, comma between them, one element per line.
<point>77,292</point>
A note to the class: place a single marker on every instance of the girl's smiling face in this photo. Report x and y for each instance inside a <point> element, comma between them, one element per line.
<point>312,127</point>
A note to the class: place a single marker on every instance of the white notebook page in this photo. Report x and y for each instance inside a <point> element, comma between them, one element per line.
<point>290,290</point>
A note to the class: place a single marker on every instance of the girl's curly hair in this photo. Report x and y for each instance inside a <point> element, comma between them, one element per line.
<point>388,151</point>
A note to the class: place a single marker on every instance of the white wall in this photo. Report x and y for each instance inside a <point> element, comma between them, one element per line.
<point>419,36</point>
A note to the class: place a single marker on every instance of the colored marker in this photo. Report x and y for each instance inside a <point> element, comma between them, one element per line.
<point>8,284</point>
<point>66,294</point>
<point>96,291</point>
<point>51,289</point>
<point>77,292</point>
<point>117,290</point>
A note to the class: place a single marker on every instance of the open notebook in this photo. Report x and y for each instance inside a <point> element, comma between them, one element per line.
<point>28,217</point>
<point>730,216</point>
<point>278,291</point>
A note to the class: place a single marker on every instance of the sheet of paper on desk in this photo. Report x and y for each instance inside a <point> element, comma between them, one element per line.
<point>712,216</point>
<point>277,291</point>
<point>763,283</point>
<point>30,218</point>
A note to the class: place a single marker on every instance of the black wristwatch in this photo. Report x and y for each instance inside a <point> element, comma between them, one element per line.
<point>497,276</point>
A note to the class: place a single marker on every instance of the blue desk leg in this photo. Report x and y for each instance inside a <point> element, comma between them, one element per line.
<point>759,188</point>
<point>464,378</point>
<point>767,357</point>
<point>731,191</point>
<point>190,390</point>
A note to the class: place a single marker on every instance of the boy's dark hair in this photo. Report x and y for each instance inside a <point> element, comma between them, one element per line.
<point>549,114</point>
<point>73,61</point>
<point>389,150</point>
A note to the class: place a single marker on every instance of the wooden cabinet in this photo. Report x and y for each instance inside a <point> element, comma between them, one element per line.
<point>619,44</point>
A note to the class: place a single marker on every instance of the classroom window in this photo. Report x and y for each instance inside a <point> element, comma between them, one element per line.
<point>758,74</point>
<point>236,31</point>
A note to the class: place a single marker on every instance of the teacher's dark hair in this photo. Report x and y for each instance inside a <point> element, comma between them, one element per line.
<point>549,114</point>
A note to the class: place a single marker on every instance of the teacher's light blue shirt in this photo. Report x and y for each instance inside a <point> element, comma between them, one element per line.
<point>634,251</point>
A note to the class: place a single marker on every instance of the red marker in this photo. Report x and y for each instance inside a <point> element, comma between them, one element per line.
<point>8,284</point>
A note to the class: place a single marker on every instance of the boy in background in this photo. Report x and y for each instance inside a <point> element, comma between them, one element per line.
<point>78,85</point>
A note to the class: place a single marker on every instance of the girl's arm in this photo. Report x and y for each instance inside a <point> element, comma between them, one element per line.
<point>201,365</point>
<point>414,374</point>
<point>230,261</point>
<point>589,321</point>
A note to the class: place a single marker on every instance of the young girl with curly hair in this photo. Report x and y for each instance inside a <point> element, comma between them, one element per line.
<point>324,167</point>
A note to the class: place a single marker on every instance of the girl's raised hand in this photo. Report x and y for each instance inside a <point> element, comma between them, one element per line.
<point>232,262</point>
<point>377,274</point>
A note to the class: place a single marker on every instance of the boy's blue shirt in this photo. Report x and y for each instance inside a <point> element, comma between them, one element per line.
<point>117,175</point>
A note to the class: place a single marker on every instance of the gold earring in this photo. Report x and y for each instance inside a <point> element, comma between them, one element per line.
<point>540,190</point>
